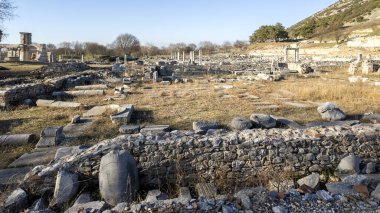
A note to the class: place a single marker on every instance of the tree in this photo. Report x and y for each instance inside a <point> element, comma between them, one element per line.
<point>127,44</point>
<point>266,33</point>
<point>207,47</point>
<point>93,49</point>
<point>6,12</point>
<point>226,46</point>
<point>50,47</point>
<point>65,46</point>
<point>240,44</point>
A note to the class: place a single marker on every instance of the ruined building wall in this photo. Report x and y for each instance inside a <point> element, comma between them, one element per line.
<point>187,158</point>
<point>17,94</point>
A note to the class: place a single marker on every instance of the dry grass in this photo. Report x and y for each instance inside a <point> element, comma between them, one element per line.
<point>100,65</point>
<point>21,67</point>
<point>178,105</point>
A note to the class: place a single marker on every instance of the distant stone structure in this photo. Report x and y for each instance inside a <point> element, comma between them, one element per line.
<point>27,51</point>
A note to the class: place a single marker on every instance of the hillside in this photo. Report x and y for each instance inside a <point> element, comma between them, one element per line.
<point>343,18</point>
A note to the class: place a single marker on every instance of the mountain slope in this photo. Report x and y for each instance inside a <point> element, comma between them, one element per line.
<point>341,15</point>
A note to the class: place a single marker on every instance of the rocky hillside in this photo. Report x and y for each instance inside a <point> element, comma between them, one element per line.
<point>344,15</point>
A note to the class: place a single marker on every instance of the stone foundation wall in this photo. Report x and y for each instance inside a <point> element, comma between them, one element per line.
<point>187,158</point>
<point>17,94</point>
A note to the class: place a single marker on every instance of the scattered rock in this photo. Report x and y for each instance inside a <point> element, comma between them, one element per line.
<point>370,168</point>
<point>66,187</point>
<point>311,181</point>
<point>240,123</point>
<point>263,121</point>
<point>203,127</point>
<point>17,201</point>
<point>331,112</point>
<point>376,192</point>
<point>129,129</point>
<point>322,194</point>
<point>348,165</point>
<point>280,209</point>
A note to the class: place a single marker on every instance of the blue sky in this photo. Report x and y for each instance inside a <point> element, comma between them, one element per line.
<point>155,21</point>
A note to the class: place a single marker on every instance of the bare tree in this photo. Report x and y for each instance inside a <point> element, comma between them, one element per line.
<point>227,46</point>
<point>93,49</point>
<point>66,46</point>
<point>240,44</point>
<point>126,44</point>
<point>6,12</point>
<point>207,47</point>
<point>50,47</point>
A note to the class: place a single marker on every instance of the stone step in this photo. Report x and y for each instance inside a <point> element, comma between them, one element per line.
<point>38,156</point>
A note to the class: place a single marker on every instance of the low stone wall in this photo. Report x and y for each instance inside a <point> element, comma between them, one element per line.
<point>17,94</point>
<point>234,157</point>
<point>64,67</point>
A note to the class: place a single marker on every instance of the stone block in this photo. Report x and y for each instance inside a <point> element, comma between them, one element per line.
<point>66,187</point>
<point>123,116</point>
<point>155,129</point>
<point>118,177</point>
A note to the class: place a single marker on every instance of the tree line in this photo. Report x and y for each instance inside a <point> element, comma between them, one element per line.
<point>128,44</point>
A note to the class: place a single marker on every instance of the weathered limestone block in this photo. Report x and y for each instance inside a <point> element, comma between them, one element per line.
<point>17,201</point>
<point>311,181</point>
<point>240,123</point>
<point>92,87</point>
<point>203,127</point>
<point>17,140</point>
<point>129,129</point>
<point>79,93</point>
<point>263,121</point>
<point>348,166</point>
<point>155,129</point>
<point>50,136</point>
<point>44,103</point>
<point>118,177</point>
<point>331,112</point>
<point>66,187</point>
<point>123,116</point>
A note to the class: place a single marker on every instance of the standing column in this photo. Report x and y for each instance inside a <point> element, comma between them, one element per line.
<point>286,55</point>
<point>125,59</point>
<point>200,57</point>
<point>183,57</point>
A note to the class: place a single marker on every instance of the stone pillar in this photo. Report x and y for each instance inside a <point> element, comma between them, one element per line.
<point>155,77</point>
<point>82,58</point>
<point>125,59</point>
<point>200,57</point>
<point>286,55</point>
<point>183,57</point>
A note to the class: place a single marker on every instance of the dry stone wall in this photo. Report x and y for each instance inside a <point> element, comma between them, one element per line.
<point>187,158</point>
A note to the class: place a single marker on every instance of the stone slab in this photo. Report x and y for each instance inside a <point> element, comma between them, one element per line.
<point>12,176</point>
<point>44,103</point>
<point>123,116</point>
<point>74,130</point>
<point>40,156</point>
<point>155,128</point>
<point>100,110</point>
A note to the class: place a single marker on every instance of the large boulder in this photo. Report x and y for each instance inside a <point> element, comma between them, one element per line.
<point>331,112</point>
<point>311,181</point>
<point>240,123</point>
<point>348,166</point>
<point>263,121</point>
<point>66,187</point>
<point>118,177</point>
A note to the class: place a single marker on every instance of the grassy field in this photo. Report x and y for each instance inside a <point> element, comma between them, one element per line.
<point>21,67</point>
